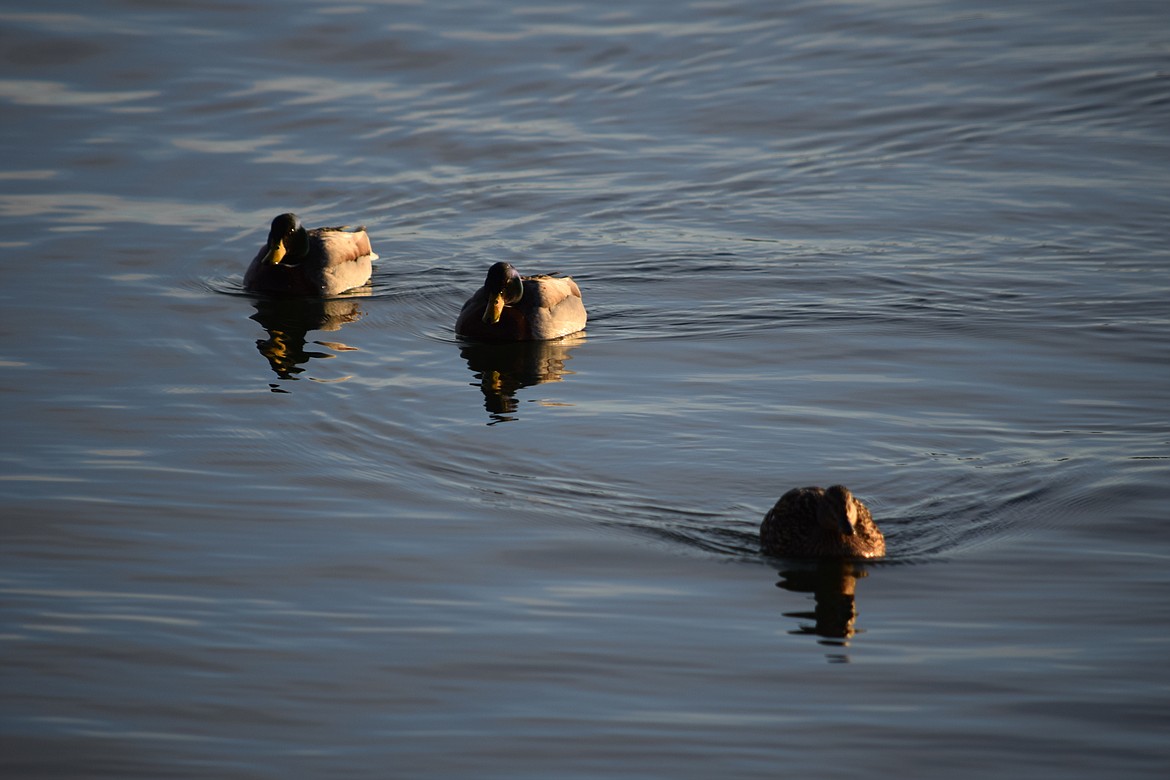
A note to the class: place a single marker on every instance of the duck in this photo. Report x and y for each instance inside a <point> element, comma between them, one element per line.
<point>320,262</point>
<point>814,522</point>
<point>511,307</point>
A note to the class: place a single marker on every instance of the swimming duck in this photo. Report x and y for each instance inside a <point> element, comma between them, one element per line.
<point>322,261</point>
<point>511,307</point>
<point>813,522</point>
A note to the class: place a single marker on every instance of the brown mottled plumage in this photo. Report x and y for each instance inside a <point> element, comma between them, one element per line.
<point>323,261</point>
<point>510,307</point>
<point>812,522</point>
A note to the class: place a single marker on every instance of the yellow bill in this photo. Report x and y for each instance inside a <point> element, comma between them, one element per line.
<point>275,254</point>
<point>495,307</point>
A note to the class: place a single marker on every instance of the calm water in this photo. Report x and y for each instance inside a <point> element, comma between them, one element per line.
<point>920,249</point>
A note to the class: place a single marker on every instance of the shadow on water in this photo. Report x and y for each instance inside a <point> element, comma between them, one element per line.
<point>955,516</point>
<point>288,322</point>
<point>833,584</point>
<point>504,369</point>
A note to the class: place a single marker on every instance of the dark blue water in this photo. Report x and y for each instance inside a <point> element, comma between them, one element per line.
<point>920,250</point>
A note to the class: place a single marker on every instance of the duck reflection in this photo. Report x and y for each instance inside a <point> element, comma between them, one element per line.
<point>833,584</point>
<point>288,322</point>
<point>503,368</point>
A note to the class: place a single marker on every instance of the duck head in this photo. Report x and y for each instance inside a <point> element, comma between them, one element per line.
<point>837,510</point>
<point>503,286</point>
<point>287,237</point>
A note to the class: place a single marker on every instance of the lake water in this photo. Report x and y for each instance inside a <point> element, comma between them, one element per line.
<point>920,249</point>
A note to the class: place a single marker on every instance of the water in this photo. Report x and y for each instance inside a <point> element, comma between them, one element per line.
<point>919,249</point>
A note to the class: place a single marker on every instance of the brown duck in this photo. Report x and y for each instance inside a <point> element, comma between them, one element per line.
<point>511,307</point>
<point>813,522</point>
<point>319,262</point>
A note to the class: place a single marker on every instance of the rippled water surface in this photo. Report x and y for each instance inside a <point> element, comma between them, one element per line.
<point>918,249</point>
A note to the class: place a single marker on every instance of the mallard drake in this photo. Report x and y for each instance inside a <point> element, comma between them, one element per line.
<point>813,522</point>
<point>322,261</point>
<point>511,307</point>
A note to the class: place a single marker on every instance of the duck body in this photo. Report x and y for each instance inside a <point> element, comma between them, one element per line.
<point>510,307</point>
<point>319,262</point>
<point>813,522</point>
